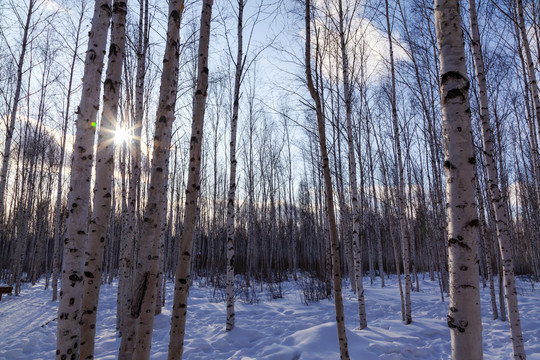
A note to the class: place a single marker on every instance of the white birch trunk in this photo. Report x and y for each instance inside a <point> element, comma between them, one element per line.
<point>357,256</point>
<point>68,334</point>
<point>403,228</point>
<point>464,319</point>
<point>132,214</point>
<point>101,205</point>
<point>495,195</point>
<point>232,178</point>
<point>183,269</point>
<point>334,241</point>
<point>137,339</point>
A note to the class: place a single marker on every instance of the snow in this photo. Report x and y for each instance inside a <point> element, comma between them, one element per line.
<point>277,329</point>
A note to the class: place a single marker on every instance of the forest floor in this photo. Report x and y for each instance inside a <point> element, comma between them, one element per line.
<point>277,329</point>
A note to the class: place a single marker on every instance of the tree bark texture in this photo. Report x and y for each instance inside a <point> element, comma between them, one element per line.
<point>68,333</point>
<point>232,177</point>
<point>495,195</point>
<point>183,269</point>
<point>464,319</point>
<point>356,246</point>
<point>404,236</point>
<point>334,241</point>
<point>101,208</point>
<point>137,340</point>
<point>130,232</point>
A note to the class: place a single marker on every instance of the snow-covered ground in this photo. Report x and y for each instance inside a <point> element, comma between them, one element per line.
<point>280,329</point>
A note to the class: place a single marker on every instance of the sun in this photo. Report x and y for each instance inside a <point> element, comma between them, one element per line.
<point>121,135</point>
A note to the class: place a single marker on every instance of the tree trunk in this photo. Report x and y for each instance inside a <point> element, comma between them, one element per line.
<point>68,334</point>
<point>403,228</point>
<point>232,178</point>
<point>357,256</point>
<point>334,241</point>
<point>130,232</point>
<point>464,319</point>
<point>101,205</point>
<point>183,273</point>
<point>495,195</point>
<point>137,339</point>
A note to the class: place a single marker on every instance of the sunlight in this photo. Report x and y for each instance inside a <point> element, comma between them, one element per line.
<point>121,136</point>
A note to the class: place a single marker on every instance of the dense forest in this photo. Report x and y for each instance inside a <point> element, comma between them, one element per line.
<point>261,141</point>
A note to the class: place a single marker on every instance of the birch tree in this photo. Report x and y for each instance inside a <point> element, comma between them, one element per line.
<point>347,92</point>
<point>232,176</point>
<point>183,269</point>
<point>68,333</point>
<point>137,338</point>
<point>129,224</point>
<point>403,228</point>
<point>101,209</point>
<point>464,318</point>
<point>495,195</point>
<point>334,241</point>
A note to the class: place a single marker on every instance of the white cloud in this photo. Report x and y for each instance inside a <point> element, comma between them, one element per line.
<point>53,6</point>
<point>367,46</point>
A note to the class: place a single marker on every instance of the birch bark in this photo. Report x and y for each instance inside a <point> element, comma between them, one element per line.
<point>68,334</point>
<point>130,222</point>
<point>334,241</point>
<point>232,178</point>
<point>495,195</point>
<point>464,319</point>
<point>403,228</point>
<point>357,256</point>
<point>183,270</point>
<point>101,208</point>
<point>137,340</point>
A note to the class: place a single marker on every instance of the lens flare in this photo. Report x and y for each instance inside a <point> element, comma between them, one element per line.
<point>121,136</point>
